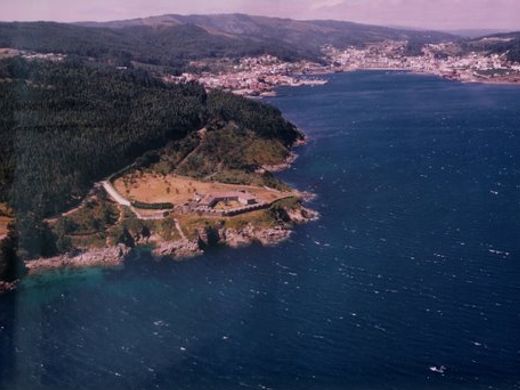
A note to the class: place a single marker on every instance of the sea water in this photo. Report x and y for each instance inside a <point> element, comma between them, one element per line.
<point>409,280</point>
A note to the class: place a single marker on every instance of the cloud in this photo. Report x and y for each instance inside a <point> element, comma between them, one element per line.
<point>320,4</point>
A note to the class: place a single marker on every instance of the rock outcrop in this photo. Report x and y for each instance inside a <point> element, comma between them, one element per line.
<point>105,257</point>
<point>6,287</point>
<point>282,166</point>
<point>267,236</point>
<point>114,256</point>
<point>302,214</point>
<point>177,249</point>
<point>236,238</point>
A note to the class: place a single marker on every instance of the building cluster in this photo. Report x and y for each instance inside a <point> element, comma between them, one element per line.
<point>259,76</point>
<point>254,76</point>
<point>224,203</point>
<point>438,59</point>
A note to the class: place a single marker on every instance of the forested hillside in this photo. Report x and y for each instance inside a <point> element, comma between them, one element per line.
<point>67,125</point>
<point>308,35</point>
<point>166,46</point>
<point>64,126</point>
<point>507,43</point>
<point>172,41</point>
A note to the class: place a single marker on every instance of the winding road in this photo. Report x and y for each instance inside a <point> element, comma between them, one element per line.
<point>116,196</point>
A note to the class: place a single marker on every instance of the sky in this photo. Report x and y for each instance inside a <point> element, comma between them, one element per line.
<point>437,14</point>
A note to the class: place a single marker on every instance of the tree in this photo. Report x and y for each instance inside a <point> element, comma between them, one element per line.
<point>35,237</point>
<point>11,268</point>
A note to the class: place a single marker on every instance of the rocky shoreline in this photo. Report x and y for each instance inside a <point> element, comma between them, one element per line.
<point>6,287</point>
<point>115,256</point>
<point>236,238</point>
<point>291,158</point>
<point>104,257</point>
<point>282,166</point>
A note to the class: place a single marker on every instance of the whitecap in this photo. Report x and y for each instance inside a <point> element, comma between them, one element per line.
<point>438,370</point>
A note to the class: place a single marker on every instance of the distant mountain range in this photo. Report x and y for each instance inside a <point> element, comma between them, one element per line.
<point>174,40</point>
<point>309,34</point>
<point>476,33</point>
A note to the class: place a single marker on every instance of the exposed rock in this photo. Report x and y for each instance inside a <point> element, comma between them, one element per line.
<point>272,236</point>
<point>105,257</point>
<point>301,141</point>
<point>266,236</point>
<point>282,166</point>
<point>302,214</point>
<point>6,287</point>
<point>209,236</point>
<point>236,238</point>
<point>177,249</point>
<point>307,196</point>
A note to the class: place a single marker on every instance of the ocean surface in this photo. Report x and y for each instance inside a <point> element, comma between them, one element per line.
<point>410,279</point>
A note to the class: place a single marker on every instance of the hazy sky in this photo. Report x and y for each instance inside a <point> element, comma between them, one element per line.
<point>439,14</point>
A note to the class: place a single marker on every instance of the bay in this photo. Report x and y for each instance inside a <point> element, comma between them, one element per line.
<point>409,280</point>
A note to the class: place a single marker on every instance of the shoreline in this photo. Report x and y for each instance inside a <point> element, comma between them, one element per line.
<point>115,256</point>
<point>110,257</point>
<point>179,250</point>
<point>327,71</point>
<point>7,287</point>
<point>482,81</point>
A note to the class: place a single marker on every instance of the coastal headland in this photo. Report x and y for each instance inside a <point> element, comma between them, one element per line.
<point>182,170</point>
<point>165,151</point>
<point>179,216</point>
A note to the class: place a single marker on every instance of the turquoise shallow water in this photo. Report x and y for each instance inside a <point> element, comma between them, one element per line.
<point>414,264</point>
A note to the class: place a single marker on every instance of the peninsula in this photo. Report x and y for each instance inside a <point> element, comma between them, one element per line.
<point>142,163</point>
<point>136,136</point>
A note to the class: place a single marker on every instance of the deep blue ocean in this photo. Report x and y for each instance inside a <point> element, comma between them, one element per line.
<point>410,279</point>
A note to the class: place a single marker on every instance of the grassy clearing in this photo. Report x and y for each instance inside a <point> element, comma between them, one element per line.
<point>165,229</point>
<point>145,229</point>
<point>235,176</point>
<point>155,188</point>
<point>232,148</point>
<point>5,218</point>
<point>287,203</point>
<point>4,222</point>
<point>260,219</point>
<point>93,218</point>
<point>87,226</point>
<point>97,240</point>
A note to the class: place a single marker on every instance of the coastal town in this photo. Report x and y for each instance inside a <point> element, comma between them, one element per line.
<point>253,76</point>
<point>259,76</point>
<point>444,60</point>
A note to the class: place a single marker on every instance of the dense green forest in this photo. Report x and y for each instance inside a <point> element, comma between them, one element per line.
<point>306,36</point>
<point>10,265</point>
<point>267,121</point>
<point>508,43</point>
<point>172,41</point>
<point>168,46</point>
<point>65,126</point>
